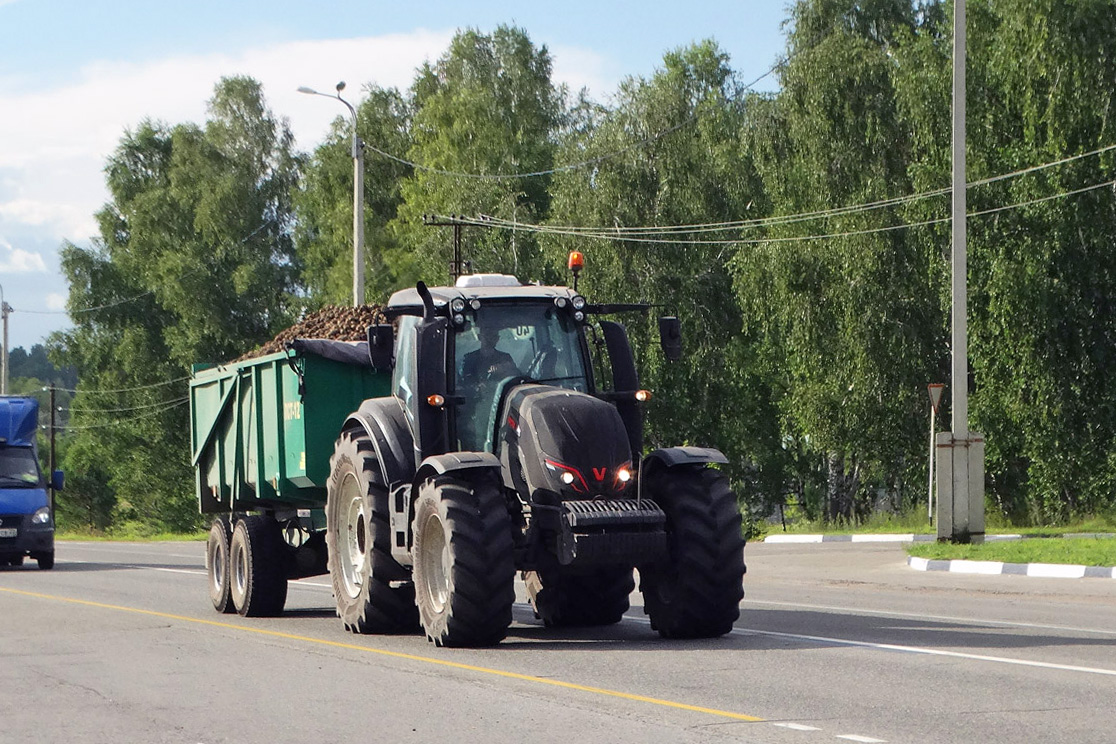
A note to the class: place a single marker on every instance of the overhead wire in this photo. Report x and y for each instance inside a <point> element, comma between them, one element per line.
<point>604,234</point>
<point>802,216</point>
<point>107,424</point>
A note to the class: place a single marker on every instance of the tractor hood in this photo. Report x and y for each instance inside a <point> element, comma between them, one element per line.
<point>564,443</point>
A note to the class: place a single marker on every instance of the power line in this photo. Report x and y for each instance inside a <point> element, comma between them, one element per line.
<point>793,218</point>
<point>107,424</point>
<point>114,410</point>
<point>125,390</point>
<point>605,235</point>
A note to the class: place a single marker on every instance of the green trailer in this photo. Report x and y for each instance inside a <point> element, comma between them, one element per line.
<point>262,433</point>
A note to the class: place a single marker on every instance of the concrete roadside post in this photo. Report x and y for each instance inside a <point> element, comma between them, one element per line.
<point>935,390</point>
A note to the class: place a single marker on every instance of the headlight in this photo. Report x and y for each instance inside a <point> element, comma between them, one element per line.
<point>578,302</point>
<point>42,516</point>
<point>458,305</point>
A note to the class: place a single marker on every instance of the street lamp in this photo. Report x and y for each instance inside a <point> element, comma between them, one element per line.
<point>358,196</point>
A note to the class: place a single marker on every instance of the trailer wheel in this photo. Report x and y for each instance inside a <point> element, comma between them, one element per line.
<point>696,592</point>
<point>217,564</point>
<point>257,576</point>
<point>595,597</point>
<point>358,542</point>
<point>464,569</point>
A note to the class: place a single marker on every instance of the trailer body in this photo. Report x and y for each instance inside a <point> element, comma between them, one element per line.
<point>262,430</point>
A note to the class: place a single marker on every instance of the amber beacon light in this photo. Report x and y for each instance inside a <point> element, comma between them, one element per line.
<point>576,264</point>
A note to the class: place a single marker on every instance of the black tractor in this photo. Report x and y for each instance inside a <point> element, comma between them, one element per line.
<point>500,451</point>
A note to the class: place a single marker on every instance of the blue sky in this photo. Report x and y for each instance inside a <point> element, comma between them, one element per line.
<point>75,75</point>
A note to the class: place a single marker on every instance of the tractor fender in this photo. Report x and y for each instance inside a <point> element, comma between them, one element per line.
<point>672,457</point>
<point>455,462</point>
<point>386,426</point>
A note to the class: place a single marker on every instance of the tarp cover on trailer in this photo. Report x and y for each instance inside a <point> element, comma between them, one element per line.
<point>19,417</point>
<point>346,352</point>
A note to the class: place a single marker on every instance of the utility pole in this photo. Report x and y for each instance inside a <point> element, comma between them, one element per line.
<point>5,308</point>
<point>961,455</point>
<point>53,466</point>
<point>458,266</point>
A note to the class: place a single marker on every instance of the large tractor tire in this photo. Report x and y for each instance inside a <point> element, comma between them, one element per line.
<point>696,591</point>
<point>358,543</point>
<point>464,568</point>
<point>597,596</point>
<point>257,572</point>
<point>217,564</point>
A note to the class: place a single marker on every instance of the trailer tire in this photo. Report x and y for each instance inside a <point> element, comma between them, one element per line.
<point>463,561</point>
<point>257,575</point>
<point>595,597</point>
<point>358,544</point>
<point>696,591</point>
<point>217,564</point>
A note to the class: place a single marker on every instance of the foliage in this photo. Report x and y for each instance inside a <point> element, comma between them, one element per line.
<point>1074,551</point>
<point>194,262</point>
<point>808,342</point>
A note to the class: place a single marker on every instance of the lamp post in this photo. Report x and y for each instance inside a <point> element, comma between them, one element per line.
<point>358,196</point>
<point>4,310</point>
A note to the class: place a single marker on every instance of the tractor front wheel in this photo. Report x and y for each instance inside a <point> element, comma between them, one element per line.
<point>695,592</point>
<point>463,561</point>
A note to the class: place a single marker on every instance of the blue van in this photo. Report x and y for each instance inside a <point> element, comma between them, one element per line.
<point>26,517</point>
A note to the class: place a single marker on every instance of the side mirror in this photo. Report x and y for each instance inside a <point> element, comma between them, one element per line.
<point>670,337</point>
<point>381,343</point>
<point>57,480</point>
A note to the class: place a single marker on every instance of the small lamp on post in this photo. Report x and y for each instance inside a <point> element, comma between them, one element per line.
<point>358,195</point>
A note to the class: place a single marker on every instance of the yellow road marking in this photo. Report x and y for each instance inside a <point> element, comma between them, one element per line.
<point>399,655</point>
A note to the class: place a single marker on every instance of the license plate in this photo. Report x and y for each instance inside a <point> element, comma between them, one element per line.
<point>8,531</point>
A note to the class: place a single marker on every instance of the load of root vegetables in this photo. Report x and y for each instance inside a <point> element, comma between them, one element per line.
<point>331,322</point>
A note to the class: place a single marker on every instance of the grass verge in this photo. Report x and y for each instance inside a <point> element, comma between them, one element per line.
<point>1075,551</point>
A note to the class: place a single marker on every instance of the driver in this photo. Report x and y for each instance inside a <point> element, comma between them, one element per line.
<point>488,362</point>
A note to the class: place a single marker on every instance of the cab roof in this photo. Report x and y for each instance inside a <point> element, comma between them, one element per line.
<point>408,302</point>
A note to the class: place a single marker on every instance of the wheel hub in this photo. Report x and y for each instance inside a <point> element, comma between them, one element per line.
<point>354,537</point>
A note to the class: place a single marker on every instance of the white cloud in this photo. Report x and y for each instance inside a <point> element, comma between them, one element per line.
<point>55,301</point>
<point>59,139</point>
<point>18,261</point>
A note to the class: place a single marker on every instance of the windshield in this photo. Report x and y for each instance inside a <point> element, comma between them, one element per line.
<point>18,467</point>
<point>537,341</point>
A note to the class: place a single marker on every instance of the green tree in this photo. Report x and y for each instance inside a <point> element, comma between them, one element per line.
<point>487,107</point>
<point>847,324</point>
<point>670,152</point>
<point>194,263</point>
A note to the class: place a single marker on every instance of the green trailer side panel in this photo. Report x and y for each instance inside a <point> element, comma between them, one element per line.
<point>262,433</point>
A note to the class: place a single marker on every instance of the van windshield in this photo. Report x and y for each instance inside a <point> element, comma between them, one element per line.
<point>18,468</point>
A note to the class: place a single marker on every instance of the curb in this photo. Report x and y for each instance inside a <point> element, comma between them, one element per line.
<point>992,568</point>
<point>878,538</point>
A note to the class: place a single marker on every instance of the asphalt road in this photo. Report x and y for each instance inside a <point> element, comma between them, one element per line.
<point>836,642</point>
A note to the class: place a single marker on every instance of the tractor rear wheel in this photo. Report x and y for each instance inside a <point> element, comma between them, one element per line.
<point>217,564</point>
<point>463,561</point>
<point>358,542</point>
<point>696,591</point>
<point>598,596</point>
<point>257,574</point>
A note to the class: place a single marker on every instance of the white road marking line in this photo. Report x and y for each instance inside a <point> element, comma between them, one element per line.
<point>928,651</point>
<point>853,611</point>
<point>864,739</point>
<point>797,726</point>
